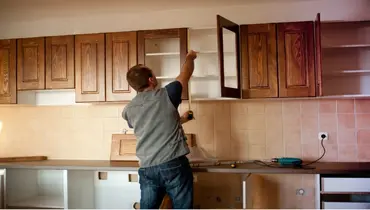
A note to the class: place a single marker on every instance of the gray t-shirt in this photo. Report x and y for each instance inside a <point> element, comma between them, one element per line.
<point>156,122</point>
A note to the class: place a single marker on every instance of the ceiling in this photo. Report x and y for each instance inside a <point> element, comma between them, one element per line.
<point>39,9</point>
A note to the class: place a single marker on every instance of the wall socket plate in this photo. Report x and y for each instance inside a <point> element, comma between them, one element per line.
<point>325,133</point>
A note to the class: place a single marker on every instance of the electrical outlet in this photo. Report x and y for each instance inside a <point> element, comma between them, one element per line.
<point>323,133</point>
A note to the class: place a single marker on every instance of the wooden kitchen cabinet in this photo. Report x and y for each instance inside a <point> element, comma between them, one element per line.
<point>31,64</point>
<point>90,67</point>
<point>345,59</point>
<point>259,63</point>
<point>121,55</point>
<point>281,59</point>
<point>60,62</point>
<point>164,51</point>
<point>217,67</point>
<point>296,59</point>
<point>8,85</point>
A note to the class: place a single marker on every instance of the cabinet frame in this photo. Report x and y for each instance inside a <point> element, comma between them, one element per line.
<point>181,33</point>
<point>231,26</point>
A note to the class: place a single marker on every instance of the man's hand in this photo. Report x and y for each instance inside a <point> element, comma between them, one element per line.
<point>185,117</point>
<point>191,55</point>
<point>187,69</point>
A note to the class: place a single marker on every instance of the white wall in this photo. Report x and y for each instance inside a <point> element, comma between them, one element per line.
<point>31,18</point>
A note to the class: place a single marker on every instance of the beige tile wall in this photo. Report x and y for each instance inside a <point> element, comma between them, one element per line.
<point>225,129</point>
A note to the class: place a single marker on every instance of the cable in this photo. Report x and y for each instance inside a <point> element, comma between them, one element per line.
<point>272,165</point>
<point>323,136</point>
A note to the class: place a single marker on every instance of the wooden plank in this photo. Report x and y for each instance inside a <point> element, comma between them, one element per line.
<point>22,159</point>
<point>123,147</point>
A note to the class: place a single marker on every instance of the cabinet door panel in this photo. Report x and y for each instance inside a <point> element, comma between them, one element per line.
<point>31,64</point>
<point>60,62</point>
<point>259,62</point>
<point>8,86</point>
<point>121,55</point>
<point>296,59</point>
<point>230,76</point>
<point>90,68</point>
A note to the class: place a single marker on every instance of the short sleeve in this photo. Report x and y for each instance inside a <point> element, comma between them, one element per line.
<point>124,116</point>
<point>174,90</point>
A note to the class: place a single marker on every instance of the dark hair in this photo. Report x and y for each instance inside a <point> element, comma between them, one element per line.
<point>138,77</point>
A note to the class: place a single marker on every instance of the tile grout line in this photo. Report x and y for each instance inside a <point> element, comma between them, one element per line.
<point>265,131</point>
<point>300,120</point>
<point>318,127</point>
<point>337,118</point>
<point>282,119</point>
<point>356,129</point>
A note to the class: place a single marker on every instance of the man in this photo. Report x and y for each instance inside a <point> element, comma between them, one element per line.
<point>161,142</point>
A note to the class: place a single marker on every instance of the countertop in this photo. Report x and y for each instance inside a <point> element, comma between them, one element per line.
<point>317,168</point>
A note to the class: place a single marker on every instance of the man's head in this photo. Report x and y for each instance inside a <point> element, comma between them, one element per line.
<point>141,78</point>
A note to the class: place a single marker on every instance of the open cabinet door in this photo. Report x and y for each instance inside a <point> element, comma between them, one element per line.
<point>229,57</point>
<point>318,58</point>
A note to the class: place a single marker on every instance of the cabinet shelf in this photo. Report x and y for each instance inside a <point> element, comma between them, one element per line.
<point>162,54</point>
<point>347,72</point>
<point>54,202</point>
<point>207,77</point>
<point>346,46</point>
<point>209,52</point>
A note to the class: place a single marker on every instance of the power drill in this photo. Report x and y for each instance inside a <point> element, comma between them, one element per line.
<point>288,161</point>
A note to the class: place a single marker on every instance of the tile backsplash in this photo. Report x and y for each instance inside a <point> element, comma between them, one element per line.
<point>224,129</point>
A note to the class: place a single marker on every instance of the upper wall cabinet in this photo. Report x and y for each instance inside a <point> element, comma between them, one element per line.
<point>345,59</point>
<point>102,61</point>
<point>279,60</point>
<point>164,51</point>
<point>60,62</point>
<point>31,64</point>
<point>8,86</point>
<point>217,67</point>
<point>90,67</point>
<point>121,55</point>
<point>49,66</point>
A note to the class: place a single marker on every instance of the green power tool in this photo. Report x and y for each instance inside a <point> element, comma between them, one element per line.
<point>288,161</point>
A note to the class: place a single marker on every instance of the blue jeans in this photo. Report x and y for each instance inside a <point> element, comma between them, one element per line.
<point>174,178</point>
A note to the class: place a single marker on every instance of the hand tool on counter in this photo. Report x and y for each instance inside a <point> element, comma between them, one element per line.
<point>233,164</point>
<point>287,161</point>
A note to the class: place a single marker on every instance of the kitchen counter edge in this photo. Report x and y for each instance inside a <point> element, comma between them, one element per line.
<point>318,168</point>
